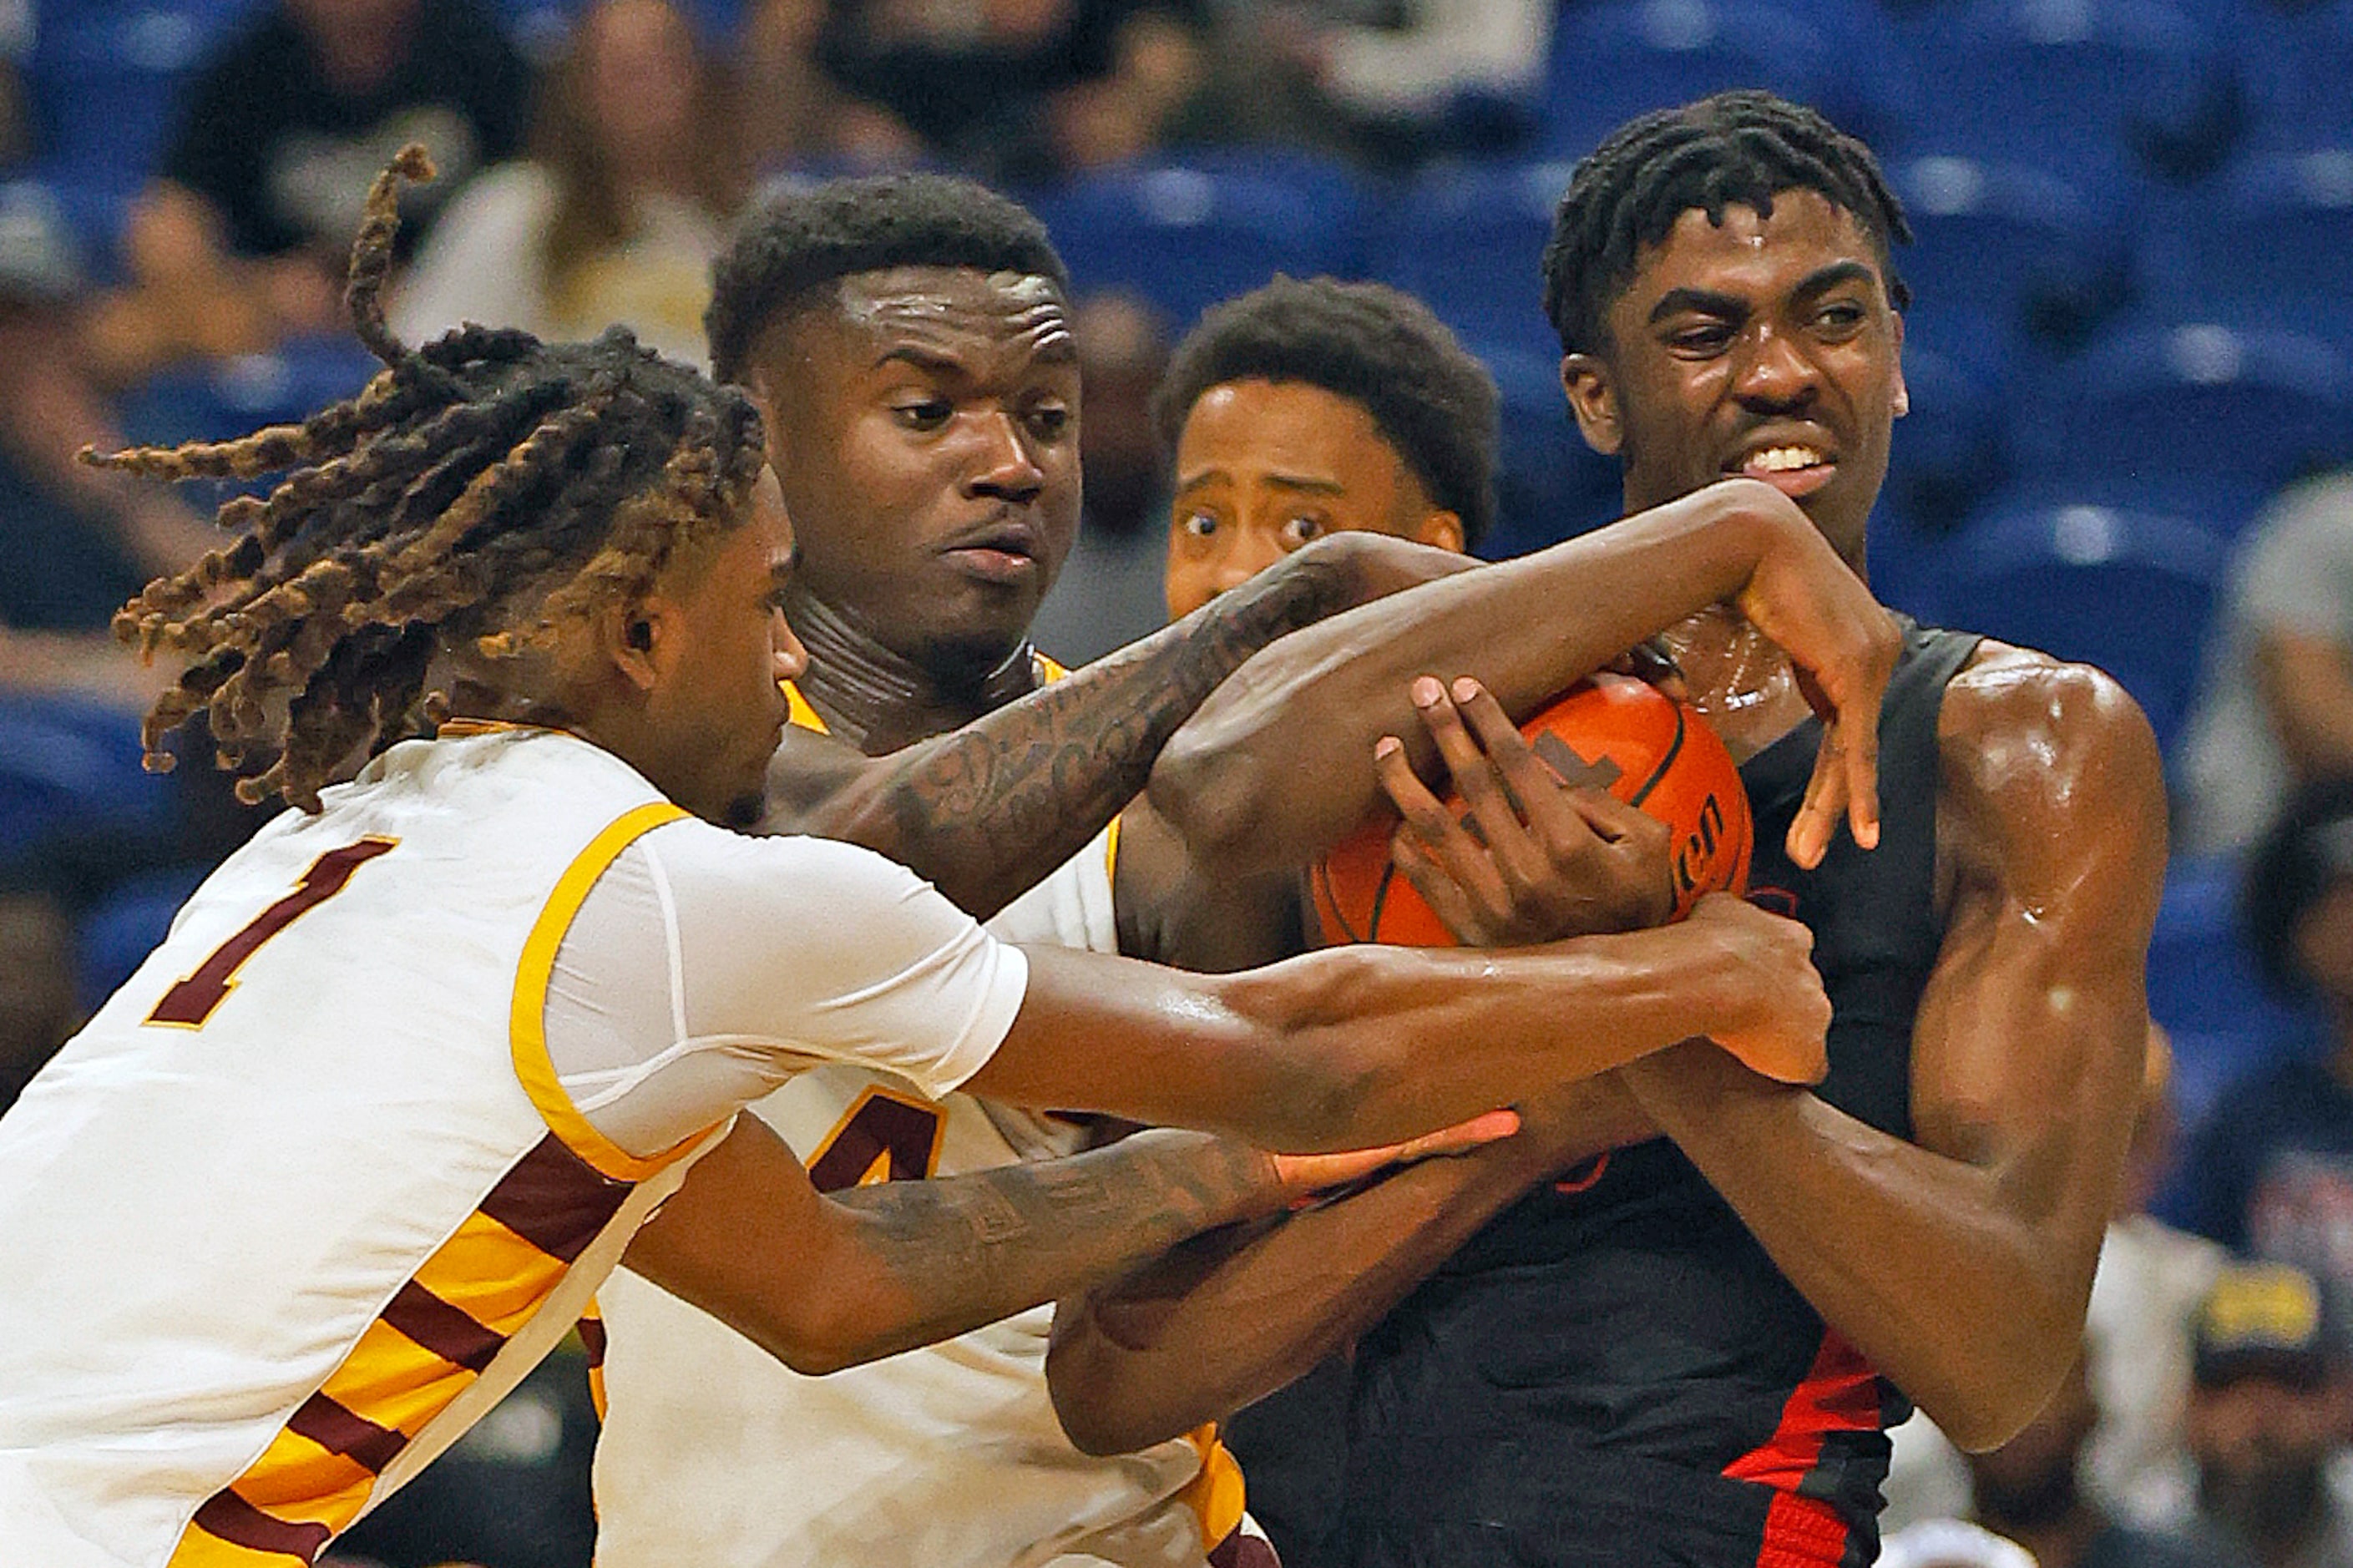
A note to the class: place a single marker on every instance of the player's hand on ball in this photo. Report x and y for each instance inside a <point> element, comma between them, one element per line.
<point>1530,858</point>
<point>1303,1177</point>
<point>1785,1031</point>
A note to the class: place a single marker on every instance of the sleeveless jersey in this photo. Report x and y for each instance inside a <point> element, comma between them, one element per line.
<point>1614,1372</point>
<point>949,1456</point>
<point>306,1189</point>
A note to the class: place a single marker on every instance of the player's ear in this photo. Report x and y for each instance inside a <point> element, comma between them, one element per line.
<point>1593,400</point>
<point>1903,401</point>
<point>1442,529</point>
<point>639,639</point>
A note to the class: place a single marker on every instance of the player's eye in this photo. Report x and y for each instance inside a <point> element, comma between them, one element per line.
<point>1297,531</point>
<point>1050,421</point>
<point>1197,525</point>
<point>923,413</point>
<point>1840,318</point>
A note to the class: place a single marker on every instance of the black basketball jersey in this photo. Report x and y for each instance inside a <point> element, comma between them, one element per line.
<point>1613,1374</point>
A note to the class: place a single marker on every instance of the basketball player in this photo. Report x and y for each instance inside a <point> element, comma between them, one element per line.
<point>884,322</point>
<point>415,1066</point>
<point>1686,1351</point>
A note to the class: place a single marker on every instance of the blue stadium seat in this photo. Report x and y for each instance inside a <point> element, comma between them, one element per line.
<point>2293,62</point>
<point>1185,233</point>
<point>2266,243</point>
<point>217,400</point>
<point>1946,456</point>
<point>2072,84</point>
<point>2017,243</point>
<point>115,937</point>
<point>1468,239</point>
<point>2130,592</point>
<point>1617,59</point>
<point>70,767</point>
<point>2204,987</point>
<point>105,76</point>
<point>2199,401</point>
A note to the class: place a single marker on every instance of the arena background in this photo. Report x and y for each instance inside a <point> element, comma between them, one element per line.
<point>2131,333</point>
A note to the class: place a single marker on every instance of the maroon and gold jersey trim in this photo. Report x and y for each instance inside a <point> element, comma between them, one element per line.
<point>441,1329</point>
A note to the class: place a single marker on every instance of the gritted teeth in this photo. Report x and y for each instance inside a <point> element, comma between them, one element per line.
<point>1781,460</point>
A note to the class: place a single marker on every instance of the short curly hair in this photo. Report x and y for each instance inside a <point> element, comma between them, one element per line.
<point>1737,149</point>
<point>1430,398</point>
<point>792,244</point>
<point>481,490</point>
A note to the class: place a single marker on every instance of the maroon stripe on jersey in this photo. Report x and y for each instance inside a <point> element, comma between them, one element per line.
<point>592,1339</point>
<point>442,1329</point>
<point>341,1430</point>
<point>238,1522</point>
<point>1239,1551</point>
<point>555,1200</point>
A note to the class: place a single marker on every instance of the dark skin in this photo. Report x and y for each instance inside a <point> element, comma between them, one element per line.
<point>1958,1263</point>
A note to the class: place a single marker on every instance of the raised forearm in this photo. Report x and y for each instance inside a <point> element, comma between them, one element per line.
<point>929,1260</point>
<point>1312,706</point>
<point>1232,1316</point>
<point>980,810</point>
<point>1963,1283</point>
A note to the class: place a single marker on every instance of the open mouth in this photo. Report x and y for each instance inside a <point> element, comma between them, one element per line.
<point>1793,468</point>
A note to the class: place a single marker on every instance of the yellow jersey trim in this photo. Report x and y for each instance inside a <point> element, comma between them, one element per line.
<point>527,1022</point>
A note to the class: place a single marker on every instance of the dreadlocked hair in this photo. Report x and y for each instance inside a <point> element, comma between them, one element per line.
<point>1736,149</point>
<point>483,489</point>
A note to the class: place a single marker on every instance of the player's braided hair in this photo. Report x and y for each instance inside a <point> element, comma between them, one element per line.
<point>481,489</point>
<point>1429,397</point>
<point>1734,149</point>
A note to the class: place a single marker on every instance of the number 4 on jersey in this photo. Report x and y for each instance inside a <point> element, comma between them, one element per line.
<point>187,1005</point>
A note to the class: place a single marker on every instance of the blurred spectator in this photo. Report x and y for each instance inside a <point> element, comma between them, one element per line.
<point>2268,1413</point>
<point>2277,708</point>
<point>1409,81</point>
<point>1109,592</point>
<point>1022,89</point>
<point>15,136</point>
<point>2032,1490</point>
<point>241,242</point>
<point>2270,1172</point>
<point>791,113</point>
<point>2144,1299</point>
<point>617,213</point>
<point>1951,1543</point>
<point>78,541</point>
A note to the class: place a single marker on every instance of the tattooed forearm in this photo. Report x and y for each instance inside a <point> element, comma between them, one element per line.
<point>979,811</point>
<point>970,1250</point>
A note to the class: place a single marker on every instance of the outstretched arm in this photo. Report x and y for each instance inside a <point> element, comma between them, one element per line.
<point>1312,706</point>
<point>1959,1265</point>
<point>1232,1316</point>
<point>823,1283</point>
<point>979,812</point>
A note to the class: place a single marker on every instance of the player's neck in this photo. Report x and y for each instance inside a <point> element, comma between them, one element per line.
<point>879,698</point>
<point>1739,678</point>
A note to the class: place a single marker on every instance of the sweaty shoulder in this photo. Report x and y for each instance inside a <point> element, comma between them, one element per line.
<point>2044,763</point>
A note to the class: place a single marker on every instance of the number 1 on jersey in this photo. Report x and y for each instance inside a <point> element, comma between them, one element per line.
<point>187,1005</point>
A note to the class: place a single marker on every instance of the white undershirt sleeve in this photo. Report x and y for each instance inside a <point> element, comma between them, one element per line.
<point>706,967</point>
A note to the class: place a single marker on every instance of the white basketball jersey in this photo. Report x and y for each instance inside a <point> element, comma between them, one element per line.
<point>304,1199</point>
<point>715,1454</point>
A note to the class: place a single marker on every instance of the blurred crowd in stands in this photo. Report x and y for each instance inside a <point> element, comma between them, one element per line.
<point>2131,365</point>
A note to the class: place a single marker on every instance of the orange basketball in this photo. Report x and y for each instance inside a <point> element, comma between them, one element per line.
<point>1643,746</point>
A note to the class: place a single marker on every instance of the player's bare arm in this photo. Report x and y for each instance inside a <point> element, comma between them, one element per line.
<point>977,811</point>
<point>1229,1317</point>
<point>1312,706</point>
<point>1959,1265</point>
